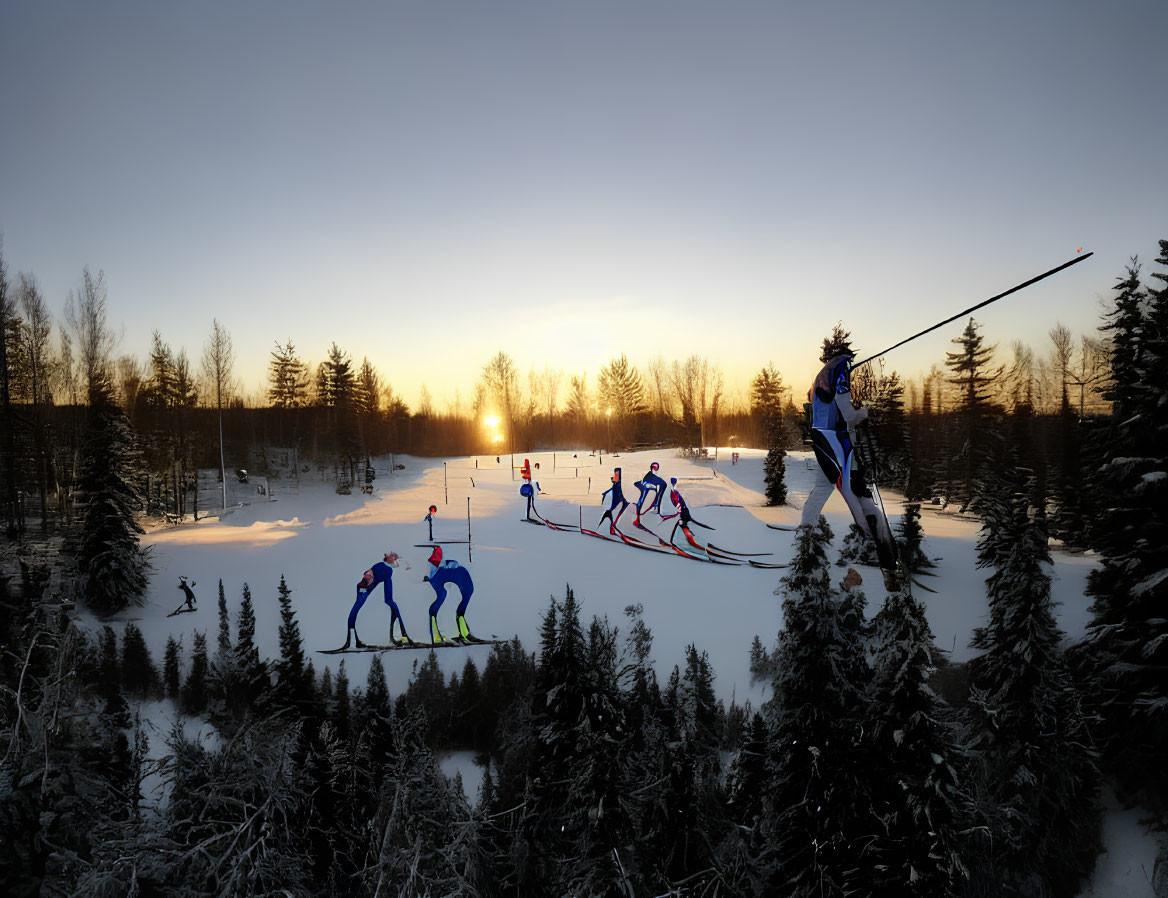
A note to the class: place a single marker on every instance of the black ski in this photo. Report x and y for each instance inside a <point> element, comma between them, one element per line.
<point>786,528</point>
<point>411,646</point>
<point>343,650</point>
<point>183,610</point>
<point>732,552</point>
<point>766,564</point>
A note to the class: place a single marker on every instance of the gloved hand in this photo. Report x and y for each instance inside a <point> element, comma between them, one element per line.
<point>425,578</point>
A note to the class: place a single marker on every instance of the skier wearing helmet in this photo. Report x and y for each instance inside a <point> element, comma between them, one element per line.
<point>442,574</point>
<point>834,420</point>
<point>651,482</point>
<point>382,572</point>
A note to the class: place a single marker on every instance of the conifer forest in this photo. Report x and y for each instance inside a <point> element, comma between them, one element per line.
<point>876,765</point>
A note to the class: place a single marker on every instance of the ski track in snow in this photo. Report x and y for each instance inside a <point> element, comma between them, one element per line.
<point>322,542</point>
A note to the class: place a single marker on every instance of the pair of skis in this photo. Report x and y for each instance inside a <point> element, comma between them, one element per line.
<point>708,553</point>
<point>541,521</point>
<point>461,644</point>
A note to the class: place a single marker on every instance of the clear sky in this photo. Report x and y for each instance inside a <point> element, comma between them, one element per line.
<point>429,182</point>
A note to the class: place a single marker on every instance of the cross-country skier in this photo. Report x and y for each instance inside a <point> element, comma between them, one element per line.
<point>529,489</point>
<point>382,572</point>
<point>685,518</point>
<point>188,592</point>
<point>833,424</point>
<point>650,483</point>
<point>429,519</point>
<point>618,498</point>
<point>442,574</point>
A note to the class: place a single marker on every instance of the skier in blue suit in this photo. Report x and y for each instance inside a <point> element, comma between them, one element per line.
<point>382,572</point>
<point>833,423</point>
<point>618,498</point>
<point>442,574</point>
<point>650,483</point>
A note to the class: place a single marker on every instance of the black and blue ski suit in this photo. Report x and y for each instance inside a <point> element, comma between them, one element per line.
<point>833,422</point>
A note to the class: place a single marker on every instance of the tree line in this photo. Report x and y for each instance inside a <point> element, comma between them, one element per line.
<point>873,765</point>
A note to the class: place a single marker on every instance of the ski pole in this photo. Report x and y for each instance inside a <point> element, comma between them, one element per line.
<point>985,302</point>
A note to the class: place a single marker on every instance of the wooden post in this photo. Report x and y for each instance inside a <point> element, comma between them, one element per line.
<point>445,488</point>
<point>469,551</point>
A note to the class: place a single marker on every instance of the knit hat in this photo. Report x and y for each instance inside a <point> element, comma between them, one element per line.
<point>436,556</point>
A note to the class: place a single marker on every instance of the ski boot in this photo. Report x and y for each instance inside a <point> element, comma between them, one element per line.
<point>436,636</point>
<point>400,624</point>
<point>464,634</point>
<point>351,634</point>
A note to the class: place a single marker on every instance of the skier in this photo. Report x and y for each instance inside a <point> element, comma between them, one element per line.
<point>529,489</point>
<point>429,519</point>
<point>188,592</point>
<point>618,498</point>
<point>382,572</point>
<point>650,483</point>
<point>833,424</point>
<point>443,573</point>
<point>685,518</point>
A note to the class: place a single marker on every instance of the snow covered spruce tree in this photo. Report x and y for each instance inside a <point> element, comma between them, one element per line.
<point>766,405</point>
<point>577,833</point>
<point>237,814</point>
<point>819,816</point>
<point>295,687</point>
<point>113,562</point>
<point>1127,644</point>
<point>915,776</point>
<point>423,839</point>
<point>1037,774</point>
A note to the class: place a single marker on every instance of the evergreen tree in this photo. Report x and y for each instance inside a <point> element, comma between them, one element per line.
<point>237,816</point>
<point>837,343</point>
<point>917,790</point>
<point>857,548</point>
<point>342,709</point>
<point>766,406</point>
<point>774,472</point>
<point>111,557</point>
<point>622,395</point>
<point>910,536</point>
<point>1039,773</point>
<point>111,678</point>
<point>1127,645</point>
<point>172,668</point>
<point>375,715</point>
<point>818,805</point>
<point>224,680</point>
<point>139,676</point>
<point>426,843</point>
<point>973,376</point>
<point>251,672</point>
<point>294,688</point>
<point>194,690</point>
<point>287,378</point>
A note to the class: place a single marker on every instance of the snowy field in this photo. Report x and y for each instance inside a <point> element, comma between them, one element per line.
<point>321,543</point>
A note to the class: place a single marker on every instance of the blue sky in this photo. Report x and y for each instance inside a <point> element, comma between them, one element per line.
<point>427,183</point>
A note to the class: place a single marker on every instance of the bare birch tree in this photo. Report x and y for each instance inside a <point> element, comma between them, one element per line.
<point>218,360</point>
<point>86,313</point>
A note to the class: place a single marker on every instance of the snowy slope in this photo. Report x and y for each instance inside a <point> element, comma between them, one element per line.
<point>321,543</point>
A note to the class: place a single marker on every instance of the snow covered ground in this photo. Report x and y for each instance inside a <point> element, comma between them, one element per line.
<point>322,542</point>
